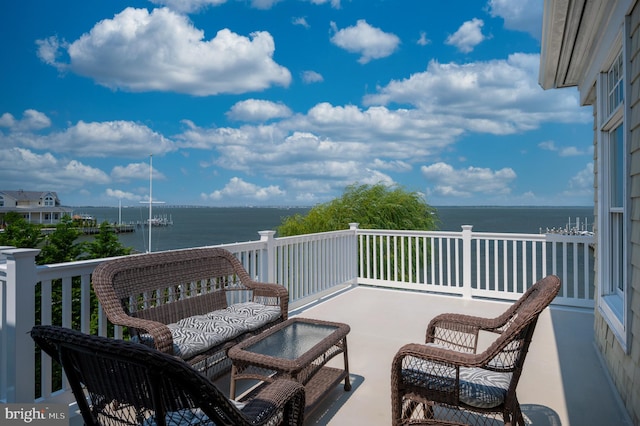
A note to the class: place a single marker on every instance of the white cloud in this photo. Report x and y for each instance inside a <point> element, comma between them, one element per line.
<point>444,180</point>
<point>140,51</point>
<point>188,5</point>
<point>258,110</point>
<point>334,3</point>
<point>238,189</point>
<point>49,51</point>
<point>31,120</point>
<point>396,165</point>
<point>106,139</point>
<point>571,151</point>
<point>264,4</point>
<point>401,133</point>
<point>76,170</point>
<point>468,36</point>
<point>302,21</point>
<point>423,40</point>
<point>374,177</point>
<point>117,193</point>
<point>369,42</point>
<point>459,93</point>
<point>298,157</point>
<point>312,77</point>
<point>567,151</point>
<point>519,15</point>
<point>135,171</point>
<point>96,139</point>
<point>23,168</point>
<point>548,145</point>
<point>583,181</point>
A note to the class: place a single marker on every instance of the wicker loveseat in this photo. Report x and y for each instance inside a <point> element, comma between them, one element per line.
<point>191,303</point>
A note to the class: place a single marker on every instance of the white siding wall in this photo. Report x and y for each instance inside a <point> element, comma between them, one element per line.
<point>625,368</point>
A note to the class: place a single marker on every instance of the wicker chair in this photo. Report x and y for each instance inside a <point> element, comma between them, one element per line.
<point>446,380</point>
<point>117,382</point>
<point>148,292</point>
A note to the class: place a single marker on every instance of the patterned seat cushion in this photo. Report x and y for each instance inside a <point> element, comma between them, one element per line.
<point>483,388</point>
<point>196,334</point>
<point>182,418</point>
<point>194,416</point>
<point>478,387</point>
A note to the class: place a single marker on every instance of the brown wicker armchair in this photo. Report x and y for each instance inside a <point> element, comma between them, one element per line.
<point>117,382</point>
<point>148,293</point>
<point>447,380</point>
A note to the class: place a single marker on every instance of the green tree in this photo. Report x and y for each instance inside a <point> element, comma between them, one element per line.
<point>372,206</point>
<point>60,246</point>
<point>20,233</point>
<point>106,244</point>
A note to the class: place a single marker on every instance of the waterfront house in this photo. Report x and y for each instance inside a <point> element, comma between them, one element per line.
<point>594,46</point>
<point>42,207</point>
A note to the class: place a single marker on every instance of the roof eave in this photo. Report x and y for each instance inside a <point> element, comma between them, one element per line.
<point>553,29</point>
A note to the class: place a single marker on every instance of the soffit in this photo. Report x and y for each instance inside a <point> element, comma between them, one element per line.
<point>571,31</point>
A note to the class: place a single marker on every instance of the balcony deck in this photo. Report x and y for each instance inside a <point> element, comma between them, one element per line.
<point>564,382</point>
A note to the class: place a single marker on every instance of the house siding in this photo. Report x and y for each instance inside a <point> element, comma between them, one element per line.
<point>625,367</point>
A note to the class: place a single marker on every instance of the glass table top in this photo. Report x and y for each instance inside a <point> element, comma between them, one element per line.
<point>292,341</point>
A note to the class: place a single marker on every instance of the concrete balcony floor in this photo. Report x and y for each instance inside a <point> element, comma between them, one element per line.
<point>563,383</point>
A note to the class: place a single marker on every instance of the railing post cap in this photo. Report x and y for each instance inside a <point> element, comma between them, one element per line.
<point>467,227</point>
<point>353,225</point>
<point>20,252</point>
<point>265,235</point>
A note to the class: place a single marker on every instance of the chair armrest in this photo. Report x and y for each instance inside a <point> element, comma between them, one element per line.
<point>481,323</point>
<point>459,331</point>
<point>437,354</point>
<point>282,395</point>
<point>270,294</point>
<point>160,333</point>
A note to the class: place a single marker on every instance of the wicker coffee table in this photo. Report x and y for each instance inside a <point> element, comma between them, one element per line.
<point>297,349</point>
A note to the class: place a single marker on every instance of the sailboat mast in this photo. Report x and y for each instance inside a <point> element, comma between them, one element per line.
<point>150,196</point>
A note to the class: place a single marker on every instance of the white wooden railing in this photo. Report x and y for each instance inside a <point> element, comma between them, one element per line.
<point>493,265</point>
<point>309,266</point>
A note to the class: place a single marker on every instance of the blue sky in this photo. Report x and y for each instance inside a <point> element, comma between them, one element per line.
<point>286,102</point>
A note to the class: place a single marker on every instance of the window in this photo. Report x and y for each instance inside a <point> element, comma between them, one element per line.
<point>49,201</point>
<point>615,86</point>
<point>612,200</point>
<point>1,201</point>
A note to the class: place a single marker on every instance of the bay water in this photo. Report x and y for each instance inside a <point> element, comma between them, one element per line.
<point>201,226</point>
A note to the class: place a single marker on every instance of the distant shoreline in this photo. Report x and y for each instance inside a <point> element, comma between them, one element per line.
<point>185,206</point>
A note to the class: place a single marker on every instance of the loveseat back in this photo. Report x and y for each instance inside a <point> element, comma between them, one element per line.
<point>172,285</point>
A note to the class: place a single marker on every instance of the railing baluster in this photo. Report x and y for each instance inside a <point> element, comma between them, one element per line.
<point>575,270</point>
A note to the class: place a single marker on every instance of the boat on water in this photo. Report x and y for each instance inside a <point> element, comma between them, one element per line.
<point>159,221</point>
<point>83,217</point>
<point>576,228</point>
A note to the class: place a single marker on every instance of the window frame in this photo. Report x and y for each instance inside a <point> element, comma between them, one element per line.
<point>613,241</point>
